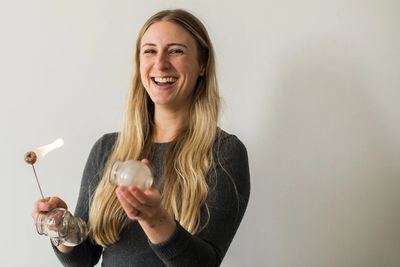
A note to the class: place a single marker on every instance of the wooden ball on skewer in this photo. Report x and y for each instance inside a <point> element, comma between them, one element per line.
<point>30,157</point>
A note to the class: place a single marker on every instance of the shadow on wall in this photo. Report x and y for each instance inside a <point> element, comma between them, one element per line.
<point>330,185</point>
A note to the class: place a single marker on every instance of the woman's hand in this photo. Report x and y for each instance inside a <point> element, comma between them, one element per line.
<point>145,207</point>
<point>47,204</point>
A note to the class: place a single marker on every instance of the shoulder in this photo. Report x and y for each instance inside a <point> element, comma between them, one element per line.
<point>231,156</point>
<point>229,145</point>
<point>102,148</point>
<point>106,142</point>
<point>108,139</point>
<point>230,174</point>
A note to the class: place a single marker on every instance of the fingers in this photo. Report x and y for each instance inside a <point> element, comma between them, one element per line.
<point>149,197</point>
<point>133,200</point>
<point>47,204</point>
<point>130,210</point>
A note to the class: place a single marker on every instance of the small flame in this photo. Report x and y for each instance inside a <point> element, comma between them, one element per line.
<point>43,150</point>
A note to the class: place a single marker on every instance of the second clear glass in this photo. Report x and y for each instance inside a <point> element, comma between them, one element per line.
<point>60,224</point>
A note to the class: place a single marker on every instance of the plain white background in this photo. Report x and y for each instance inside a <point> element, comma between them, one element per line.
<point>311,88</point>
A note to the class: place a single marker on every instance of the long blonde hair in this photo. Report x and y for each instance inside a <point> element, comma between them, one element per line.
<point>190,155</point>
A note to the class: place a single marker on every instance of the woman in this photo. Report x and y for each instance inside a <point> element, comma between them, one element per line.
<point>202,172</point>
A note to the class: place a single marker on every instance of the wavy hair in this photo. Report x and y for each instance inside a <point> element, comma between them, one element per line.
<point>190,155</point>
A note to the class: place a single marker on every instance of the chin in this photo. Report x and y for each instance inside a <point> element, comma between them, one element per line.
<point>160,101</point>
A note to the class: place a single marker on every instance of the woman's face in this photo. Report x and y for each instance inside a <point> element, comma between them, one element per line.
<point>169,65</point>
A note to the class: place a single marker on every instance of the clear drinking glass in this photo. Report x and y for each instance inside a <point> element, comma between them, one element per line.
<point>131,173</point>
<point>60,224</point>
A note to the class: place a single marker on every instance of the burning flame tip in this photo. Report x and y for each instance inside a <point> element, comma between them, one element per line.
<point>59,142</point>
<point>42,151</point>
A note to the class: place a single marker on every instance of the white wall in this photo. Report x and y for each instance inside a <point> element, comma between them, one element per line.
<point>311,87</point>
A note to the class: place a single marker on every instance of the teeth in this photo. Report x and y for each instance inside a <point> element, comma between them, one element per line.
<point>165,79</point>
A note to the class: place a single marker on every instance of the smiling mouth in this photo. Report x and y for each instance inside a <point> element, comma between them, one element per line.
<point>164,80</point>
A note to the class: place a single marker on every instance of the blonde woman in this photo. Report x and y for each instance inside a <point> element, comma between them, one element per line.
<point>170,124</point>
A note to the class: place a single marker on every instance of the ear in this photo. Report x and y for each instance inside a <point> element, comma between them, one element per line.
<point>202,70</point>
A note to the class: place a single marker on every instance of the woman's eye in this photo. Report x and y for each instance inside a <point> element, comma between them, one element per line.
<point>149,51</point>
<point>176,51</point>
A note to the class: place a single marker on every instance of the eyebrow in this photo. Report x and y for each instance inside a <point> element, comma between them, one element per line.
<point>171,44</point>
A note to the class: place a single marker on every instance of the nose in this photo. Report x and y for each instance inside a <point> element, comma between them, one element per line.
<point>162,61</point>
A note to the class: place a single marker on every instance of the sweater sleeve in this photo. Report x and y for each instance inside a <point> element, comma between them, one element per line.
<point>88,253</point>
<point>229,190</point>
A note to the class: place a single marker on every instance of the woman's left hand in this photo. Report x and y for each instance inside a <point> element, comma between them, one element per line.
<point>139,205</point>
<point>145,207</point>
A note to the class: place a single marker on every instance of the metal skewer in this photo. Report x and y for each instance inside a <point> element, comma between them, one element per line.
<point>37,180</point>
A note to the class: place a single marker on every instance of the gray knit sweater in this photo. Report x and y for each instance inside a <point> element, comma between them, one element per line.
<point>229,189</point>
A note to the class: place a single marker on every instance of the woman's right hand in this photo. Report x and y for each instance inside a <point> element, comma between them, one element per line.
<point>47,204</point>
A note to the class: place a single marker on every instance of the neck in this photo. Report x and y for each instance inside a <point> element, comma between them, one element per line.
<point>168,124</point>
